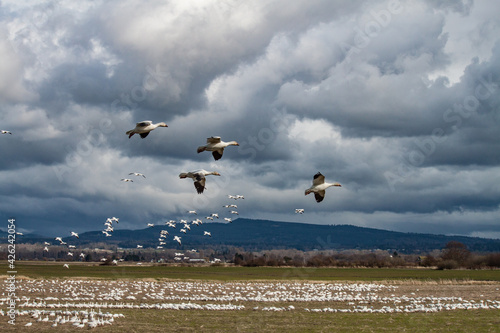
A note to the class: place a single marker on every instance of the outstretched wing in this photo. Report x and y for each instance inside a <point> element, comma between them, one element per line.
<point>144,123</point>
<point>319,196</point>
<point>213,139</point>
<point>217,154</point>
<point>318,179</point>
<point>199,183</point>
<point>143,135</point>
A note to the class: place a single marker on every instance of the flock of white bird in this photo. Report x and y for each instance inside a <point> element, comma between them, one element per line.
<point>49,300</point>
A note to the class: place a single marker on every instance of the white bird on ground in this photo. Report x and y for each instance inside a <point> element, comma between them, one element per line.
<point>143,128</point>
<point>6,132</point>
<point>27,324</point>
<point>299,210</point>
<point>198,177</point>
<point>126,180</point>
<point>136,174</point>
<point>206,233</point>
<point>319,186</point>
<point>82,255</point>
<point>228,219</point>
<point>177,239</point>
<point>74,234</point>
<point>216,146</point>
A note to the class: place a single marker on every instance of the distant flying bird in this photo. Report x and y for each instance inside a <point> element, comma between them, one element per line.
<point>228,219</point>
<point>46,243</point>
<point>170,223</point>
<point>106,233</point>
<point>215,215</point>
<point>72,246</point>
<point>198,177</point>
<point>46,249</point>
<point>151,225</point>
<point>116,219</point>
<point>192,212</point>
<point>6,132</point>
<point>234,212</point>
<point>239,196</point>
<point>299,211</point>
<point>177,239</point>
<point>136,174</point>
<point>183,230</point>
<point>75,234</point>
<point>70,254</point>
<point>231,206</point>
<point>59,239</point>
<point>206,233</point>
<point>143,128</point>
<point>216,146</point>
<point>66,266</point>
<point>126,180</point>
<point>209,218</point>
<point>139,246</point>
<point>319,186</point>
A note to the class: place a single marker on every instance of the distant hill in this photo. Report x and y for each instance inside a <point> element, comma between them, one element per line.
<point>256,235</point>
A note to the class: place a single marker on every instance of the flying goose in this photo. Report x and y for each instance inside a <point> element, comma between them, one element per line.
<point>126,180</point>
<point>136,174</point>
<point>319,186</point>
<point>198,177</point>
<point>299,211</point>
<point>74,234</point>
<point>6,132</point>
<point>216,146</point>
<point>143,128</point>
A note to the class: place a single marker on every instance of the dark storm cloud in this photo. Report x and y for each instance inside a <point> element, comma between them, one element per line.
<point>364,92</point>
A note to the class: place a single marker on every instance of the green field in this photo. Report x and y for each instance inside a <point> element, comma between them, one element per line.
<point>473,285</point>
<point>53,270</point>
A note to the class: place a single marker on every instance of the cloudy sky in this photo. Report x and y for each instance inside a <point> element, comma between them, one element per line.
<point>396,100</point>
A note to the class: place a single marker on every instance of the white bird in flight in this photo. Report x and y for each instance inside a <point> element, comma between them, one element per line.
<point>136,174</point>
<point>143,128</point>
<point>75,234</point>
<point>198,177</point>
<point>228,219</point>
<point>319,186</point>
<point>206,233</point>
<point>151,225</point>
<point>192,212</point>
<point>177,239</point>
<point>216,146</point>
<point>66,266</point>
<point>6,132</point>
<point>126,180</point>
<point>139,246</point>
<point>299,210</point>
